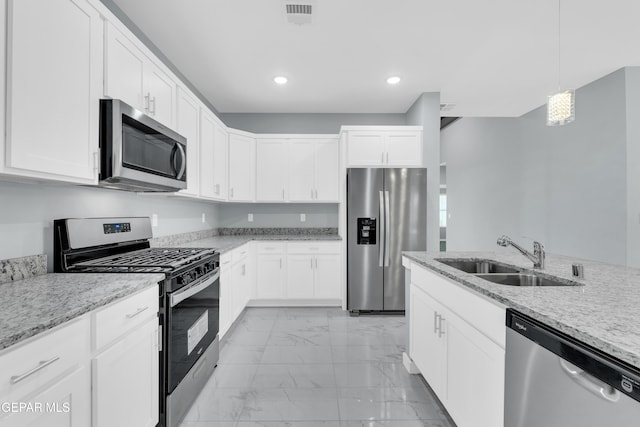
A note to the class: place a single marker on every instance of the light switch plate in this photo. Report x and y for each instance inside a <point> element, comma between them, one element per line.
<point>303,217</point>
<point>204,217</point>
<point>250,217</point>
<point>154,220</point>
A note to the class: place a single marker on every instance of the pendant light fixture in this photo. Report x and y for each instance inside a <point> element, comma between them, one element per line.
<point>561,105</point>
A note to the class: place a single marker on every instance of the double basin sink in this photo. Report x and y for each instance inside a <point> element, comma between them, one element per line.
<point>503,274</point>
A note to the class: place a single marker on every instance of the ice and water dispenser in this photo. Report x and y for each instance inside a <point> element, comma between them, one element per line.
<point>367,231</point>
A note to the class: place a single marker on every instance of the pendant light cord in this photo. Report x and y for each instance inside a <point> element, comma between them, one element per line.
<point>559,44</point>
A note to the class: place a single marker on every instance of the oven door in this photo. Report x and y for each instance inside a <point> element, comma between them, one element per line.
<point>192,325</point>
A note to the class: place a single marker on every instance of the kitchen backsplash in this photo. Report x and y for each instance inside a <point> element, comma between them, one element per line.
<point>22,268</point>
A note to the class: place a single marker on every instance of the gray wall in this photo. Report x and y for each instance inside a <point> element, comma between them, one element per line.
<point>278,215</point>
<point>305,123</point>
<point>28,211</point>
<point>565,186</point>
<point>633,171</point>
<point>425,112</point>
<point>483,182</point>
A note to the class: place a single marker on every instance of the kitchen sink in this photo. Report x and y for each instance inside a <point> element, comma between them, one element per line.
<point>524,279</point>
<point>478,266</point>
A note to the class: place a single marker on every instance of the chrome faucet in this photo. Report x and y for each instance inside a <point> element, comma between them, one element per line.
<point>537,257</point>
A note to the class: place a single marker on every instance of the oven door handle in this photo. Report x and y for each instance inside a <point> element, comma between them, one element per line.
<point>177,297</point>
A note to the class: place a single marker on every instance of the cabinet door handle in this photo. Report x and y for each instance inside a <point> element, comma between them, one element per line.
<point>387,151</point>
<point>96,162</point>
<point>244,269</point>
<point>217,189</point>
<point>280,263</point>
<point>153,112</point>
<point>311,193</point>
<point>147,100</point>
<point>138,311</point>
<point>231,192</point>
<point>440,328</point>
<point>316,194</point>
<point>43,364</point>
<point>435,322</point>
<point>311,261</point>
<point>283,194</point>
<point>382,159</point>
<point>316,263</point>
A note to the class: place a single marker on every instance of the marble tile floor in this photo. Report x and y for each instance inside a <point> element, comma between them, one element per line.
<point>314,367</point>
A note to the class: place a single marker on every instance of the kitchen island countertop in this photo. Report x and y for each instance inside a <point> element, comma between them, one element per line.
<point>602,312</point>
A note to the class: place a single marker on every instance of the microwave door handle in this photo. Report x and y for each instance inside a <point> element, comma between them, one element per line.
<point>183,163</point>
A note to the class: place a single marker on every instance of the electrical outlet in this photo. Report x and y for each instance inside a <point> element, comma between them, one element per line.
<point>303,217</point>
<point>204,217</point>
<point>154,220</point>
<point>250,217</point>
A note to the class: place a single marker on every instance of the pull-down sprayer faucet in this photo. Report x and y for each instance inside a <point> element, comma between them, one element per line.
<point>537,257</point>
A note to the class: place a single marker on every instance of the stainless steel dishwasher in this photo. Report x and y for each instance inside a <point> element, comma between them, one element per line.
<point>552,380</point>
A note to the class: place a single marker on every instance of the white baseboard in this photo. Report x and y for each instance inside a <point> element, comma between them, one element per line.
<point>328,302</point>
<point>409,365</point>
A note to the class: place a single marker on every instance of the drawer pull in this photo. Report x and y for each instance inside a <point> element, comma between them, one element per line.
<point>43,364</point>
<point>140,310</point>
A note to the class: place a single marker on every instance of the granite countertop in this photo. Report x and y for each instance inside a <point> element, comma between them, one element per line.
<point>34,305</point>
<point>602,313</point>
<point>227,243</point>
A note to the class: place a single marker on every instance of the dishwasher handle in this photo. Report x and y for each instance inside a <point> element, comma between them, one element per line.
<point>589,382</point>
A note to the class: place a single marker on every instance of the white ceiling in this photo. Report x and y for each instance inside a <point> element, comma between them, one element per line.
<point>489,57</point>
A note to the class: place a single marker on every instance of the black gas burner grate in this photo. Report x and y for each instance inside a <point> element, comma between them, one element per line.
<point>169,258</point>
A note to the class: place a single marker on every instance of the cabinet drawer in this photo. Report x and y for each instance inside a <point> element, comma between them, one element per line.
<point>44,358</point>
<point>120,317</point>
<point>271,247</point>
<point>484,315</point>
<point>314,247</point>
<point>226,259</point>
<point>239,253</point>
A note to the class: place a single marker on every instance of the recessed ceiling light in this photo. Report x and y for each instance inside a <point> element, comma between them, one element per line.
<point>393,80</point>
<point>280,80</point>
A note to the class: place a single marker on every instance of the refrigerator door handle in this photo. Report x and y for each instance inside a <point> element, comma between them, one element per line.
<point>387,229</point>
<point>381,213</point>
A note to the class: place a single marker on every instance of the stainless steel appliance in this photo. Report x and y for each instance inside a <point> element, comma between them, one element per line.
<point>137,153</point>
<point>553,380</point>
<point>189,297</point>
<point>386,214</point>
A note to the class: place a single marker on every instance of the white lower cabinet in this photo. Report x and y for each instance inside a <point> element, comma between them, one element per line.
<point>236,284</point>
<point>51,374</point>
<point>270,276</point>
<point>101,369</point>
<point>462,360</point>
<point>125,380</point>
<point>313,270</point>
<point>125,366</point>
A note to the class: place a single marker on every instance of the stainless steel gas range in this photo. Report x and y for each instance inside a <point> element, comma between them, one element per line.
<point>189,297</point>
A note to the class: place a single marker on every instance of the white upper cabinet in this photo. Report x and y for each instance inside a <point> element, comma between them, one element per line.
<point>53,83</point>
<point>313,170</point>
<point>207,143</point>
<point>384,146</point>
<point>272,170</point>
<point>220,159</point>
<point>132,77</point>
<point>327,171</point>
<point>187,125</point>
<point>242,168</point>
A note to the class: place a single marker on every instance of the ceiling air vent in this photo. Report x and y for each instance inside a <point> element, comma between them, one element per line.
<point>446,107</point>
<point>298,12</point>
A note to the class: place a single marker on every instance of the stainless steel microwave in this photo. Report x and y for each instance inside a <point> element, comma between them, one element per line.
<point>137,153</point>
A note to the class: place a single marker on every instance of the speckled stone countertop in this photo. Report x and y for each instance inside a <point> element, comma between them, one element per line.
<point>602,313</point>
<point>227,243</point>
<point>34,305</point>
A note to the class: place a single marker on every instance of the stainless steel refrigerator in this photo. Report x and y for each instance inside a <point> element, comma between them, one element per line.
<point>386,214</point>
